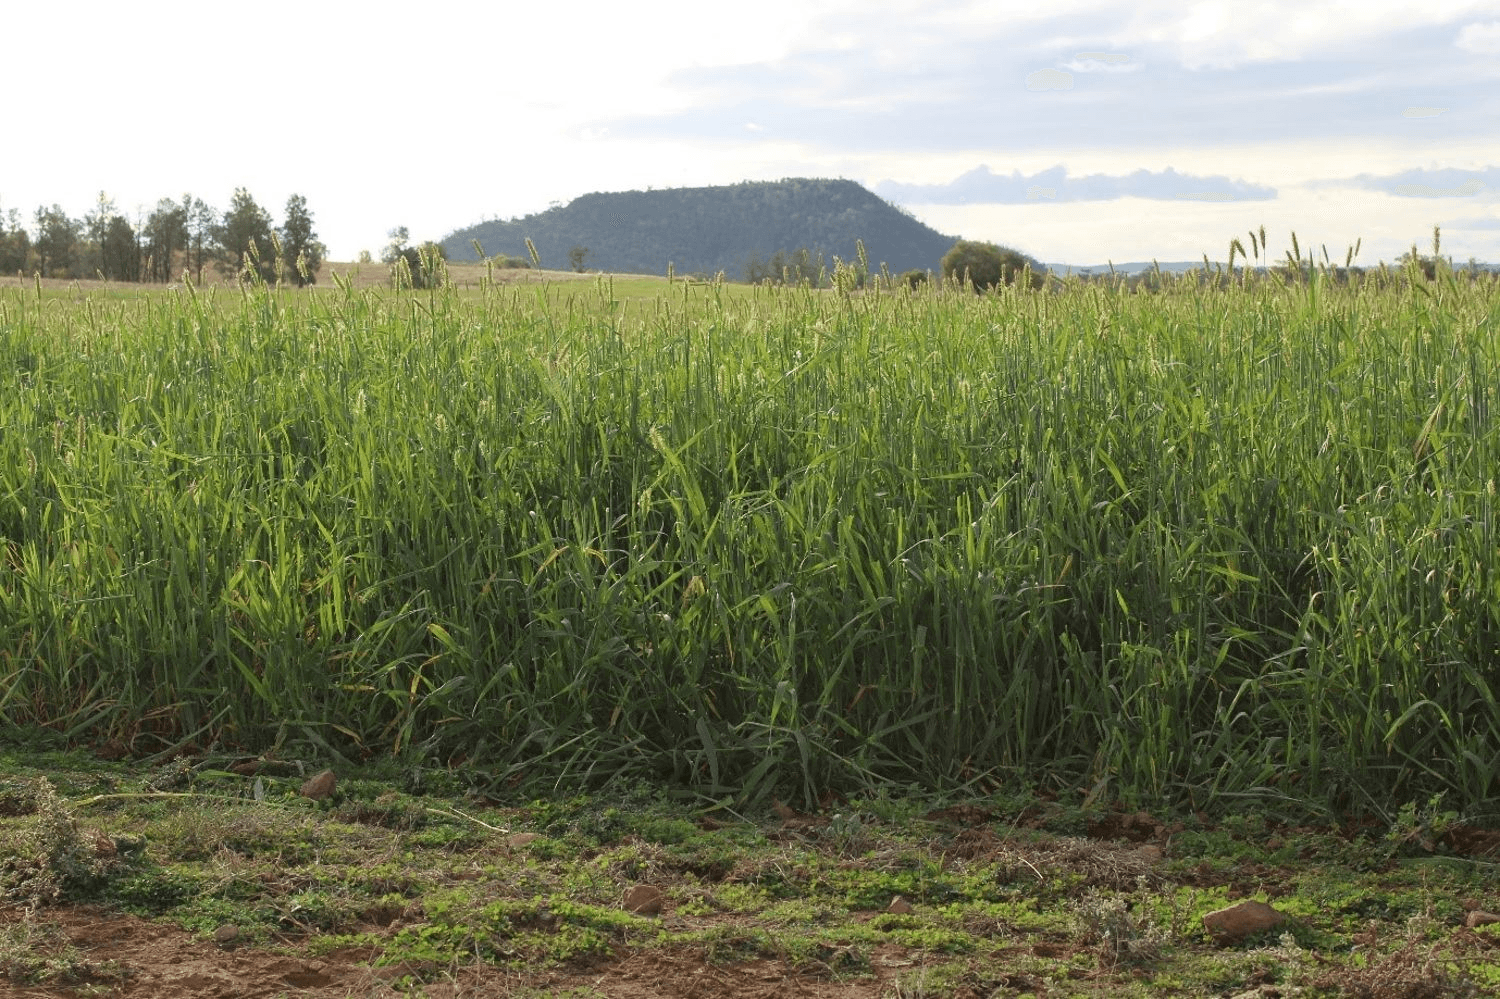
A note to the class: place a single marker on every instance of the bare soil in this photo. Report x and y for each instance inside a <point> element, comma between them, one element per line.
<point>132,957</point>
<point>225,877</point>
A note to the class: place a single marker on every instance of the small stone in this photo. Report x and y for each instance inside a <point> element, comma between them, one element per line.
<point>521,839</point>
<point>643,900</point>
<point>226,934</point>
<point>1239,921</point>
<point>899,906</point>
<point>1478,917</point>
<point>319,786</point>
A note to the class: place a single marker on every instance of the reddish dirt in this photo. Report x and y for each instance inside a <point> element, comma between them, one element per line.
<point>132,957</point>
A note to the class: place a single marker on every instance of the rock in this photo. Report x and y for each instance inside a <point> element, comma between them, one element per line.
<point>1239,921</point>
<point>319,786</point>
<point>899,906</point>
<point>1478,917</point>
<point>643,900</point>
<point>226,934</point>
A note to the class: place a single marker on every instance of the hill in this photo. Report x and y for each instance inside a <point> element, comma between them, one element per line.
<point>711,229</point>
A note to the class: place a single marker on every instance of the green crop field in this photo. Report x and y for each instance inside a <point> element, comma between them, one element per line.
<point>1218,544</point>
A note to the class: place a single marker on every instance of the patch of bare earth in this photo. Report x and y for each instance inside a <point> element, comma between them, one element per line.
<point>125,956</point>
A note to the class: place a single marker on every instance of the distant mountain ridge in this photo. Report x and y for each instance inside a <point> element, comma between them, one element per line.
<point>704,230</point>
<point>710,229</point>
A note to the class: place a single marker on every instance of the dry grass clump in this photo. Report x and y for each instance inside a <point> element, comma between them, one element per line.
<point>33,952</point>
<point>1119,928</point>
<point>1413,972</point>
<point>50,852</point>
<point>1084,863</point>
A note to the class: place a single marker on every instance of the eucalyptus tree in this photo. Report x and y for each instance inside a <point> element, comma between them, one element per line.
<point>299,243</point>
<point>243,239</point>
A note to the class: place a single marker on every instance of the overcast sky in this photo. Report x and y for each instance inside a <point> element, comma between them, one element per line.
<point>1077,132</point>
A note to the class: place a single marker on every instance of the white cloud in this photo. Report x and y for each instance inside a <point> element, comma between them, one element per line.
<point>981,185</point>
<point>1103,62</point>
<point>1049,79</point>
<point>512,114</point>
<point>1225,34</point>
<point>1483,39</point>
<point>1465,189</point>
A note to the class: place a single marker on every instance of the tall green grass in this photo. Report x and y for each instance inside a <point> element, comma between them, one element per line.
<point>1218,543</point>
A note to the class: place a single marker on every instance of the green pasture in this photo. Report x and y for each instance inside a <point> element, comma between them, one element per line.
<point>1210,546</point>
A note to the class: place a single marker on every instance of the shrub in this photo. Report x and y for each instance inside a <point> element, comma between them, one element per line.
<point>988,265</point>
<point>784,267</point>
<point>414,266</point>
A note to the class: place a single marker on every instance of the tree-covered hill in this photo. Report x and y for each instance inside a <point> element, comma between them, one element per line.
<point>711,229</point>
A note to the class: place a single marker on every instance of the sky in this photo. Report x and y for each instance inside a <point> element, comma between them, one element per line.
<point>1077,132</point>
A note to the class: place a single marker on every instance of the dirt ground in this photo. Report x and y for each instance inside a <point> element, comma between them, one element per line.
<point>264,882</point>
<point>133,957</point>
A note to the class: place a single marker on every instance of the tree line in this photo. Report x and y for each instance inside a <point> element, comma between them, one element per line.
<point>177,237</point>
